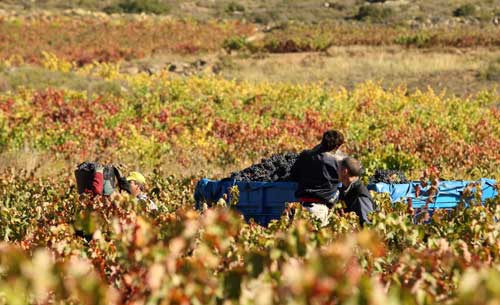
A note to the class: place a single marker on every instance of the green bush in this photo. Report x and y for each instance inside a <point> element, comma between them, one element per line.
<point>373,13</point>
<point>465,10</point>
<point>234,43</point>
<point>419,40</point>
<point>137,7</point>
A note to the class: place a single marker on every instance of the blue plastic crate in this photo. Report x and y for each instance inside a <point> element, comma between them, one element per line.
<point>264,201</point>
<point>448,196</point>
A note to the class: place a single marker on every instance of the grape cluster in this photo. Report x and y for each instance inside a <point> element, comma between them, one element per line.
<point>388,176</point>
<point>276,168</point>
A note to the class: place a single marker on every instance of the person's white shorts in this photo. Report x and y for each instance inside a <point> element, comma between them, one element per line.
<point>320,211</point>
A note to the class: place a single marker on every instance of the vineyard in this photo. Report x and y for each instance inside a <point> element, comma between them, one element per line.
<point>57,247</point>
<point>209,122</point>
<point>178,256</point>
<point>84,39</point>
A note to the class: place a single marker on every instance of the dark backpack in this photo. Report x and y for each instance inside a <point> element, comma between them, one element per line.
<point>84,175</point>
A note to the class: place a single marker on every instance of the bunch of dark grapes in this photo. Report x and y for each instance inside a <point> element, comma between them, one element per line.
<point>388,176</point>
<point>276,168</point>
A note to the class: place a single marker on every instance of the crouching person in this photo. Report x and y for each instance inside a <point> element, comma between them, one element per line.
<point>135,185</point>
<point>353,192</point>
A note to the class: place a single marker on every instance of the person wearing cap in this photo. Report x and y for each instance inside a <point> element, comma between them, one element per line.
<point>134,184</point>
<point>353,192</point>
<point>137,184</point>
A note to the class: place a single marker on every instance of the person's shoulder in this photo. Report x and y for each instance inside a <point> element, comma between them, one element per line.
<point>313,151</point>
<point>330,158</point>
<point>337,155</point>
<point>142,197</point>
<point>363,190</point>
<point>356,187</point>
<point>146,199</point>
<point>305,154</point>
<point>308,151</point>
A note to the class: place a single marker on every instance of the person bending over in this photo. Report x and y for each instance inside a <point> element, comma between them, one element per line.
<point>135,185</point>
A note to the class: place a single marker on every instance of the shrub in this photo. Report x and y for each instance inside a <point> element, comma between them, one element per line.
<point>233,7</point>
<point>266,17</point>
<point>335,6</point>
<point>465,10</point>
<point>138,6</point>
<point>234,43</point>
<point>492,73</point>
<point>373,13</point>
<point>419,40</point>
<point>260,18</point>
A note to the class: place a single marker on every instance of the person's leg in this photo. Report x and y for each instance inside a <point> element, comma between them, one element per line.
<point>320,211</point>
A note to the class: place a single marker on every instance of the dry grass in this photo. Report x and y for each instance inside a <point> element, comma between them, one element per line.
<point>455,70</point>
<point>458,71</point>
<point>272,11</point>
<point>41,164</point>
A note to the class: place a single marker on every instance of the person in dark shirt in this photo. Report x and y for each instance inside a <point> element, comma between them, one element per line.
<point>353,192</point>
<point>316,172</point>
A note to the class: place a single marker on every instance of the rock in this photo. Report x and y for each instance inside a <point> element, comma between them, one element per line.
<point>172,68</point>
<point>274,26</point>
<point>396,4</point>
<point>200,63</point>
<point>131,70</point>
<point>76,12</point>
<point>216,69</point>
<point>208,69</point>
<point>178,67</point>
<point>256,37</point>
<point>153,69</point>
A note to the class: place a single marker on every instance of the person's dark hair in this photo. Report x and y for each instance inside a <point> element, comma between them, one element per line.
<point>332,139</point>
<point>353,166</point>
